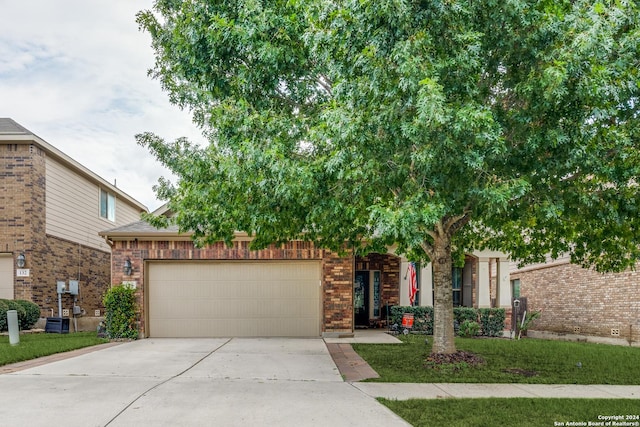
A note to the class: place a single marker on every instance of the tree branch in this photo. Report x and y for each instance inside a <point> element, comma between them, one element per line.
<point>453,224</point>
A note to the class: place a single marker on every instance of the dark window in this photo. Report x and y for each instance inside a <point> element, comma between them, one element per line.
<point>456,278</point>
<point>107,205</point>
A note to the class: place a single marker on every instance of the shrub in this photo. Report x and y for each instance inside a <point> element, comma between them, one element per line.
<point>490,320</point>
<point>528,320</point>
<point>422,318</point>
<point>469,328</point>
<point>32,313</point>
<point>22,313</point>
<point>464,314</point>
<point>121,312</point>
<point>3,315</point>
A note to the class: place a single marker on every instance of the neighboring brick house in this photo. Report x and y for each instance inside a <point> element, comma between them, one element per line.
<point>51,210</point>
<point>579,303</point>
<point>295,289</point>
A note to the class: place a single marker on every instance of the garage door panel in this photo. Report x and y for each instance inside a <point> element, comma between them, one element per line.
<point>209,299</point>
<point>6,276</point>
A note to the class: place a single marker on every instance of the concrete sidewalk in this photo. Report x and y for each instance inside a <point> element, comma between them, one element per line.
<point>405,391</point>
<point>354,369</point>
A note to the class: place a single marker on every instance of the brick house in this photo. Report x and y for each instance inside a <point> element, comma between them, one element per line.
<point>295,289</point>
<point>51,210</point>
<point>483,282</point>
<point>579,303</point>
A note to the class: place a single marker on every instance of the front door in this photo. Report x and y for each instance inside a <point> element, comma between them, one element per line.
<point>361,298</point>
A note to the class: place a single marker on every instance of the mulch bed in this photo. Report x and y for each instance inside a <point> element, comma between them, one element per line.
<point>457,360</point>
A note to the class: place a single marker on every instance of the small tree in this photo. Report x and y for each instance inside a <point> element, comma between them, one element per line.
<point>529,318</point>
<point>121,312</point>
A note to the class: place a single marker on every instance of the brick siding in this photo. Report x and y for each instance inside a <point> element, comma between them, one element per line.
<point>23,229</point>
<point>337,272</point>
<point>582,301</point>
<point>389,267</point>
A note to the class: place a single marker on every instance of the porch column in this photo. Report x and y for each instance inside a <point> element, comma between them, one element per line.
<point>504,284</point>
<point>426,286</point>
<point>404,283</point>
<point>483,295</point>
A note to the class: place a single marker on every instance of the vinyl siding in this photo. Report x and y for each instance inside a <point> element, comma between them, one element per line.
<point>73,208</point>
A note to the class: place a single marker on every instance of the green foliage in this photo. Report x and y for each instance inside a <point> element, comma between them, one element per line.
<point>465,314</point>
<point>520,118</point>
<point>22,313</point>
<point>28,313</point>
<point>437,128</point>
<point>505,412</point>
<point>528,320</point>
<point>121,312</point>
<point>3,315</point>
<point>33,346</point>
<point>490,320</point>
<point>469,329</point>
<point>530,361</point>
<point>422,317</point>
<point>32,314</point>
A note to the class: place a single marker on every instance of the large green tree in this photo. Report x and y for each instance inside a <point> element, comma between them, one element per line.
<point>433,125</point>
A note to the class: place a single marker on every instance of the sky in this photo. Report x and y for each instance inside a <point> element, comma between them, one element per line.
<point>74,72</point>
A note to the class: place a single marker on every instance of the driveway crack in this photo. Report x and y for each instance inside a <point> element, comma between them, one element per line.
<point>150,389</point>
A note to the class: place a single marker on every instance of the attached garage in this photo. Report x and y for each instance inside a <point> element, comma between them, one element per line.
<point>233,298</point>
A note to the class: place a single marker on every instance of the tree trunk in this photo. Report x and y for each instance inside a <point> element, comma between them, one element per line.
<point>443,333</point>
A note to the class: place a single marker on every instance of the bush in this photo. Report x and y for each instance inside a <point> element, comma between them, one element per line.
<point>422,318</point>
<point>3,315</point>
<point>121,312</point>
<point>469,328</point>
<point>489,320</point>
<point>22,313</point>
<point>32,313</point>
<point>465,314</point>
<point>492,321</point>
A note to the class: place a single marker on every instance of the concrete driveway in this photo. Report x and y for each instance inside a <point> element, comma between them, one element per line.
<point>191,382</point>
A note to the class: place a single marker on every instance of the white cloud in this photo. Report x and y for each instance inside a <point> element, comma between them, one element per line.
<point>74,72</point>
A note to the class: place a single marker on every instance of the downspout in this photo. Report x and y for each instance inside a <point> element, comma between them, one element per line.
<point>110,243</point>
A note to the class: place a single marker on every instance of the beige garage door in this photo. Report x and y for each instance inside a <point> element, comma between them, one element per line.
<point>234,299</point>
<point>6,276</point>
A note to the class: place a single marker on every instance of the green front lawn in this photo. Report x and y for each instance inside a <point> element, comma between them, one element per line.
<point>513,412</point>
<point>507,361</point>
<point>32,346</point>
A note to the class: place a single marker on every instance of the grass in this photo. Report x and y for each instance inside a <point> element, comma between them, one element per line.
<point>512,412</point>
<point>507,361</point>
<point>32,346</point>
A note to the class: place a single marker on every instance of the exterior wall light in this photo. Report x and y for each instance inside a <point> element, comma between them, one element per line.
<point>128,267</point>
<point>21,260</point>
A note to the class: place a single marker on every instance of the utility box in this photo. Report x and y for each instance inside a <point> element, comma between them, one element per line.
<point>73,287</point>
<point>14,328</point>
<point>61,287</point>
<point>57,325</point>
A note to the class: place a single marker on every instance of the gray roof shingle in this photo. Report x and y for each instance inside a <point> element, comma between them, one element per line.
<point>10,127</point>
<point>142,227</point>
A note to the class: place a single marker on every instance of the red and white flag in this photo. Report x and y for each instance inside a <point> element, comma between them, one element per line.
<point>413,282</point>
